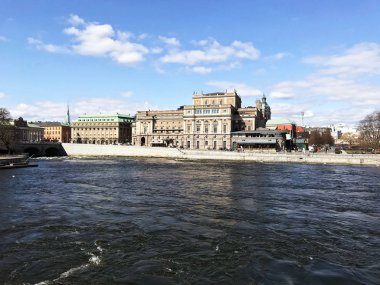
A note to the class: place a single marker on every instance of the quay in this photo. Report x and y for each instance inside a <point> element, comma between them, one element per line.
<point>186,154</point>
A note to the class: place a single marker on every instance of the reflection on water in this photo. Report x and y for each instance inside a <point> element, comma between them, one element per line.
<point>135,221</point>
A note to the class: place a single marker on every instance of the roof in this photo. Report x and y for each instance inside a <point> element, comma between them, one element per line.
<point>261,131</point>
<point>50,124</point>
<point>30,125</point>
<point>105,117</point>
<point>280,121</point>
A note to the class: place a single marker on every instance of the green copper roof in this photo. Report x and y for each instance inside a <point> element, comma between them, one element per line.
<point>279,121</point>
<point>105,118</point>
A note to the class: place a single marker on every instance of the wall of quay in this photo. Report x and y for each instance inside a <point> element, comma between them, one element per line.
<point>173,153</point>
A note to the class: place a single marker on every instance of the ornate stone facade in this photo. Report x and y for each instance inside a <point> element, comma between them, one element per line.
<point>206,124</point>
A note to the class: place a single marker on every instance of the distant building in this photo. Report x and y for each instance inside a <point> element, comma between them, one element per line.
<point>55,131</point>
<point>102,129</point>
<point>206,124</point>
<point>27,132</point>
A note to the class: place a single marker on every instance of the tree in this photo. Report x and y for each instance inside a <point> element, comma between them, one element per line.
<point>349,138</point>
<point>327,138</point>
<point>315,138</point>
<point>7,131</point>
<point>369,129</point>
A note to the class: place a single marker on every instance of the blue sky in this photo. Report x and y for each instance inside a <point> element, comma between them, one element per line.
<point>317,57</point>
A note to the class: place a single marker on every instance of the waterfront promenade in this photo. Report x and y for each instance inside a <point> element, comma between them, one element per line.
<point>173,153</point>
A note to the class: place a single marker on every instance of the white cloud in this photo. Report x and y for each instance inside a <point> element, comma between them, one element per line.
<point>281,95</point>
<point>200,69</point>
<point>56,111</point>
<point>47,47</point>
<point>170,41</point>
<point>3,39</point>
<point>127,94</point>
<point>363,58</point>
<point>3,95</point>
<point>330,88</point>
<point>211,52</point>
<point>75,20</point>
<point>93,39</point>
<point>241,88</point>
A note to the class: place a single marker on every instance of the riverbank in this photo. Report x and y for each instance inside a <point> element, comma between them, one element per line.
<point>160,152</point>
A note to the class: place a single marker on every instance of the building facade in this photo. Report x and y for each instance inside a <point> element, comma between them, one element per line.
<point>102,129</point>
<point>27,132</point>
<point>55,131</point>
<point>206,124</point>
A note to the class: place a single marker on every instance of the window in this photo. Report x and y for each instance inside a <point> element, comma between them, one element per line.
<point>188,128</point>
<point>206,143</point>
<point>215,111</point>
<point>206,129</point>
<point>198,128</point>
<point>224,144</point>
<point>206,111</point>
<point>224,128</point>
<point>197,144</point>
<point>198,111</point>
<point>215,127</point>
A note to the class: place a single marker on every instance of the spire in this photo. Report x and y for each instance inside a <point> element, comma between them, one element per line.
<point>68,115</point>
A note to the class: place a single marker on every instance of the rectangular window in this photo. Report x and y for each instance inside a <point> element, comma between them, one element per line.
<point>206,143</point>
<point>215,129</point>
<point>206,129</point>
<point>224,144</point>
<point>188,128</point>
<point>215,111</point>
<point>224,128</point>
<point>198,128</point>
<point>206,111</point>
<point>188,144</point>
<point>198,111</point>
<point>214,144</point>
<point>197,144</point>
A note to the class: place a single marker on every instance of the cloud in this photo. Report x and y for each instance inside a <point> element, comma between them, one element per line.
<point>329,88</point>
<point>56,111</point>
<point>3,95</point>
<point>281,95</point>
<point>127,94</point>
<point>211,52</point>
<point>170,41</point>
<point>241,88</point>
<point>47,47</point>
<point>362,58</point>
<point>200,69</point>
<point>3,39</point>
<point>93,39</point>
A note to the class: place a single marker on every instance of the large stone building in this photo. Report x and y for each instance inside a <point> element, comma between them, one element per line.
<point>27,132</point>
<point>102,129</point>
<point>56,131</point>
<point>206,124</point>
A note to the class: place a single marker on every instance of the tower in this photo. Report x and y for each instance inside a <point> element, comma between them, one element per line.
<point>68,115</point>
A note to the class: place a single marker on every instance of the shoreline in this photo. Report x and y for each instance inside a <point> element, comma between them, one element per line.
<point>88,150</point>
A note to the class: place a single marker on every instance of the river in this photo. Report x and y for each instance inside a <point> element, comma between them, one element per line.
<point>157,221</point>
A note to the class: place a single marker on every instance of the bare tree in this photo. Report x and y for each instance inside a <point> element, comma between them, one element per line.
<point>7,131</point>
<point>369,129</point>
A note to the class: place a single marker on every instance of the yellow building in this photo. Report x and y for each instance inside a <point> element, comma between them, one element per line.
<point>56,132</point>
<point>206,124</point>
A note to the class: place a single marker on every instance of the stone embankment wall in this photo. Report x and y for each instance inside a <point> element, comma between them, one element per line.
<point>137,151</point>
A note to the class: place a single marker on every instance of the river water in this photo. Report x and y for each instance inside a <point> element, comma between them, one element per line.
<point>140,221</point>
